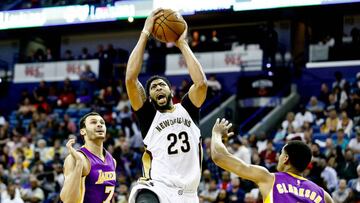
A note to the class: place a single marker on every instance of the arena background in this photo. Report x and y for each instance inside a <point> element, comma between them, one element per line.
<point>276,69</point>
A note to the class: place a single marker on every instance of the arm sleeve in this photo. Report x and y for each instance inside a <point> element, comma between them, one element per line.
<point>193,111</point>
<point>145,116</point>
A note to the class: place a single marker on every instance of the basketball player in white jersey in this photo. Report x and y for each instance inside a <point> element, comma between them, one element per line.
<point>172,158</point>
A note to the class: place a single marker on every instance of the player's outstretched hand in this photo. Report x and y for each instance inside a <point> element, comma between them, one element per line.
<point>149,23</point>
<point>73,152</point>
<point>221,128</point>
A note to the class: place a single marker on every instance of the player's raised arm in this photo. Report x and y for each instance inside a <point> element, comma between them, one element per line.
<point>73,172</point>
<point>198,90</point>
<point>134,88</point>
<point>229,162</point>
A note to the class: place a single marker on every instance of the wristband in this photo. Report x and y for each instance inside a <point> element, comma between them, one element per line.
<point>147,33</point>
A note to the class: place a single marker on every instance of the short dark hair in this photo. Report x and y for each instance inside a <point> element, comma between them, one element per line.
<point>299,154</point>
<point>82,120</point>
<point>152,78</point>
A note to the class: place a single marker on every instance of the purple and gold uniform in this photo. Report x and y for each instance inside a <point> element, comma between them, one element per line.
<point>99,185</point>
<point>292,188</point>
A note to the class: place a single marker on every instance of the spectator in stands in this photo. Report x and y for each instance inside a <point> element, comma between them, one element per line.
<point>108,97</point>
<point>345,123</point>
<point>205,181</point>
<point>354,144</point>
<point>68,124</point>
<point>347,170</point>
<point>342,193</point>
<point>354,186</point>
<point>125,117</point>
<point>236,194</point>
<point>49,56</point>
<point>279,135</point>
<point>67,95</point>
<point>123,194</point>
<point>209,195</point>
<point>195,40</point>
<point>222,197</point>
<point>83,99</point>
<point>34,194</point>
<point>41,91</point>
<point>341,140</point>
<point>39,55</point>
<point>314,106</point>
<point>341,96</point>
<point>68,55</point>
<point>324,93</point>
<point>303,116</point>
<point>26,108</point>
<point>240,150</point>
<point>328,173</point>
<point>356,116</point>
<point>88,80</point>
<point>57,148</point>
<point>41,105</point>
<point>329,147</point>
<point>123,101</point>
<point>100,52</point>
<point>356,83</point>
<point>225,181</point>
<point>41,147</point>
<point>339,80</point>
<point>331,122</point>
<point>268,156</point>
<point>84,54</point>
<point>110,52</point>
<point>11,194</point>
<point>290,121</point>
<point>2,120</point>
<point>214,86</point>
<point>332,100</point>
<point>214,41</point>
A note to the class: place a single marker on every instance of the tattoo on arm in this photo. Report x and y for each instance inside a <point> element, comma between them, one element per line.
<point>141,91</point>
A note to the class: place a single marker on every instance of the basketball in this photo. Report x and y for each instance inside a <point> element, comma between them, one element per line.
<point>169,26</point>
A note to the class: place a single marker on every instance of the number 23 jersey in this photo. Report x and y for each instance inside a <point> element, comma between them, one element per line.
<point>173,151</point>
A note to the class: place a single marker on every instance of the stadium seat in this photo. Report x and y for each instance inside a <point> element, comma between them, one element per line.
<point>320,136</point>
<point>83,111</point>
<point>278,146</point>
<point>72,112</point>
<point>316,129</point>
<point>59,112</point>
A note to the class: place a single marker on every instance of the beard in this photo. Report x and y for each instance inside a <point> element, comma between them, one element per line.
<point>167,106</point>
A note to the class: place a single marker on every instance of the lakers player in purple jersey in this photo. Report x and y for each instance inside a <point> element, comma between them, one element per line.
<point>285,186</point>
<point>90,171</point>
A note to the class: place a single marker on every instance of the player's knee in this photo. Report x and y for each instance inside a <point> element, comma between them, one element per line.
<point>146,196</point>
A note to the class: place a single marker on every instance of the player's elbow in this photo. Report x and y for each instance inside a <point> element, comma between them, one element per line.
<point>68,196</point>
<point>201,87</point>
<point>202,84</point>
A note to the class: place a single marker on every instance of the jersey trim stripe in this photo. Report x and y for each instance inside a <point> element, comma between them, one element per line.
<point>147,159</point>
<point>296,176</point>
<point>200,156</point>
